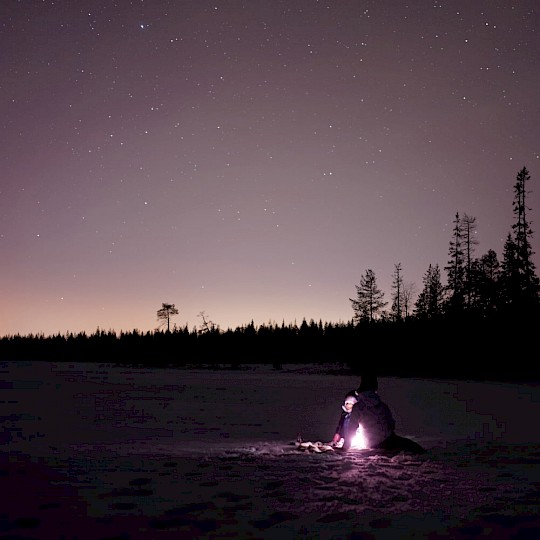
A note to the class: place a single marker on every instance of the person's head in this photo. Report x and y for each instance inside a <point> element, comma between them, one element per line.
<point>368,381</point>
<point>350,400</point>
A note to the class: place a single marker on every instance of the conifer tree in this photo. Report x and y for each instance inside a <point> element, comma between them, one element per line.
<point>369,299</point>
<point>397,293</point>
<point>520,284</point>
<point>165,313</point>
<point>484,284</point>
<point>468,232</point>
<point>455,270</point>
<point>429,303</point>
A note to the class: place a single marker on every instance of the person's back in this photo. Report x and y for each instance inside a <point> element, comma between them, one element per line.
<point>374,415</point>
<point>377,421</point>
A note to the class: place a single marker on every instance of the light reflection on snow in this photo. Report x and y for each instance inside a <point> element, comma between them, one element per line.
<point>359,440</point>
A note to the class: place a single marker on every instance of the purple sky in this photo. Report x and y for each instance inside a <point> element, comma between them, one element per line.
<point>252,159</point>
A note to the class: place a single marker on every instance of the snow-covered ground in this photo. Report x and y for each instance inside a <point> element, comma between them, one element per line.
<point>96,451</point>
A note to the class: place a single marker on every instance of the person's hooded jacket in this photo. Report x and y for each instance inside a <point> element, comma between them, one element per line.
<point>372,413</point>
<point>375,417</point>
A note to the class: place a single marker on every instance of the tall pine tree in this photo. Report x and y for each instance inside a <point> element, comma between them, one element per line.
<point>520,284</point>
<point>468,233</point>
<point>369,299</point>
<point>397,294</point>
<point>455,270</point>
<point>429,303</point>
<point>484,284</point>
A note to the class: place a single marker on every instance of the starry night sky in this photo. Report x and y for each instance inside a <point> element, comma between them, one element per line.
<point>252,159</point>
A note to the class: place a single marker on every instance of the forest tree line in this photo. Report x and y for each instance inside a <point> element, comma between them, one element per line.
<point>480,324</point>
<point>480,287</point>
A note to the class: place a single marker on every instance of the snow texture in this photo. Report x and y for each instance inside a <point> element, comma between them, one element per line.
<point>98,451</point>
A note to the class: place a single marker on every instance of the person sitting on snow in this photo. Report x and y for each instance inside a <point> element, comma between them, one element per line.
<point>344,418</point>
<point>377,421</point>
